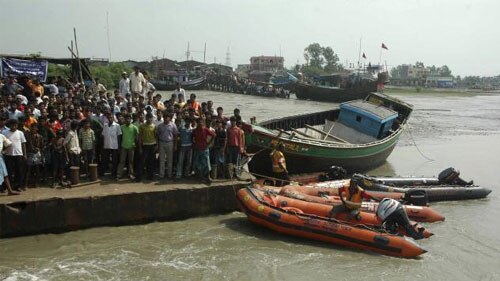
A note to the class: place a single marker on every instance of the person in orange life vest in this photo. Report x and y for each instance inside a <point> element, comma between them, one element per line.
<point>352,198</point>
<point>279,166</point>
<point>192,103</point>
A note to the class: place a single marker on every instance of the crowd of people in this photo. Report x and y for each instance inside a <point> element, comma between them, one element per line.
<point>129,133</point>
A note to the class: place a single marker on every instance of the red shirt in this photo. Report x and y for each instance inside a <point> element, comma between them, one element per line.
<point>200,137</point>
<point>55,126</point>
<point>234,136</point>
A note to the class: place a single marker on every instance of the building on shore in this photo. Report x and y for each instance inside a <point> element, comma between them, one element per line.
<point>191,65</point>
<point>242,70</point>
<point>439,82</point>
<point>261,68</point>
<point>266,63</point>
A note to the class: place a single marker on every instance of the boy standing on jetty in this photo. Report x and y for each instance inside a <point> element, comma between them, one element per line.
<point>129,139</point>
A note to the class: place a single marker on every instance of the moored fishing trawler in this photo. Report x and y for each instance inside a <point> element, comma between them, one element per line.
<point>340,87</point>
<point>357,135</point>
<point>170,79</point>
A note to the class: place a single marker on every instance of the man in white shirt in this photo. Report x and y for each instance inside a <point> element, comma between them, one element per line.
<point>137,81</point>
<point>4,178</point>
<point>124,84</point>
<point>98,87</point>
<point>148,88</point>
<point>14,112</point>
<point>73,145</point>
<point>15,155</point>
<point>111,134</point>
<point>179,91</point>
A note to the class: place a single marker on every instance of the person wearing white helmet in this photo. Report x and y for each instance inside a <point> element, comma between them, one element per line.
<point>394,216</point>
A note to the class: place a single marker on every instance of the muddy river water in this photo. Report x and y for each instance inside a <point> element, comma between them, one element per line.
<point>461,130</point>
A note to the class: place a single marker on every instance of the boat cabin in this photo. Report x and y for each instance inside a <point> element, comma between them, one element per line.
<point>361,121</point>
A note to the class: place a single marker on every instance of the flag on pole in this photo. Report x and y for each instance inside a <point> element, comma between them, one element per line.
<point>384,46</point>
<point>364,56</point>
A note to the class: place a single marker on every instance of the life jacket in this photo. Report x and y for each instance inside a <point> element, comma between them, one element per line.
<point>277,158</point>
<point>353,201</point>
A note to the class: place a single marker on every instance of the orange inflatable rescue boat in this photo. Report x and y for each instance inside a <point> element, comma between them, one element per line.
<point>292,221</point>
<point>416,213</point>
<point>323,210</point>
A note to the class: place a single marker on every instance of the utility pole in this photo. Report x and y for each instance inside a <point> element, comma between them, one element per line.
<point>205,53</point>
<point>228,57</point>
<point>107,34</point>
<point>188,53</point>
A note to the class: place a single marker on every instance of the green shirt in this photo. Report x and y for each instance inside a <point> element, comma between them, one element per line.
<point>87,139</point>
<point>148,134</point>
<point>129,134</point>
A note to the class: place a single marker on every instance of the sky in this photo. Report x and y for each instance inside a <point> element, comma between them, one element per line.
<point>462,34</point>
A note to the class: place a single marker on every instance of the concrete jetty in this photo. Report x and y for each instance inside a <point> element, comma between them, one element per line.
<point>47,210</point>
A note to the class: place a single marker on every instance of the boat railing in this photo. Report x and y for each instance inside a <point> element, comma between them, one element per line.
<point>300,121</point>
<point>284,135</point>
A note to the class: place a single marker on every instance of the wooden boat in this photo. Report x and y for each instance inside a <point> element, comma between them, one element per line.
<point>346,88</point>
<point>170,85</point>
<point>357,135</point>
<point>416,213</point>
<point>366,218</point>
<point>290,221</point>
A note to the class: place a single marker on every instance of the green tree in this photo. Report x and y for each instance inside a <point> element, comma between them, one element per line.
<point>313,55</point>
<point>320,60</point>
<point>110,74</point>
<point>331,60</point>
<point>434,70</point>
<point>310,70</point>
<point>419,64</point>
<point>397,71</point>
<point>54,70</point>
<point>444,71</point>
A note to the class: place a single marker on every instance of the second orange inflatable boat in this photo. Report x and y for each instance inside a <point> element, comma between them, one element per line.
<point>289,221</point>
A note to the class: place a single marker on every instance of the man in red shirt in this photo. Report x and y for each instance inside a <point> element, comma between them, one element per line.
<point>201,156</point>
<point>234,146</point>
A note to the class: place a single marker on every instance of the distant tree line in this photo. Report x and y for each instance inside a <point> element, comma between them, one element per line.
<point>109,75</point>
<point>319,60</point>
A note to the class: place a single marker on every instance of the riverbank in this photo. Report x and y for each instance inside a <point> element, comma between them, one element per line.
<point>438,92</point>
<point>48,210</point>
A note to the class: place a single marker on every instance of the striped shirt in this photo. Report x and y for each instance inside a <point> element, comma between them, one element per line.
<point>87,139</point>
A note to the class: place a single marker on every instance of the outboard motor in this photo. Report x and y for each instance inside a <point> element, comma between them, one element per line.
<point>416,196</point>
<point>448,176</point>
<point>336,173</point>
<point>333,173</point>
<point>393,216</point>
<point>452,176</point>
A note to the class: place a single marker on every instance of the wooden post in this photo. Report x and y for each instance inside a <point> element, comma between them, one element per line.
<point>78,58</point>
<point>88,73</point>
